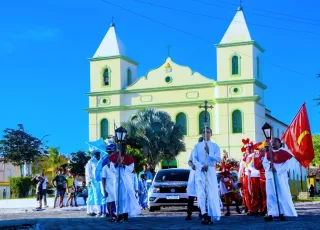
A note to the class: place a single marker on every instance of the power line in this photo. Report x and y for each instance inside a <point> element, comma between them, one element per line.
<point>266,16</point>
<point>161,23</point>
<point>224,19</point>
<point>195,36</point>
<point>269,11</point>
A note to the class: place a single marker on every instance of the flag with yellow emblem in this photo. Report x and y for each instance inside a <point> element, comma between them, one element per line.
<point>298,137</point>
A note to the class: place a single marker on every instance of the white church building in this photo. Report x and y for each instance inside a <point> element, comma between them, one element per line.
<point>117,93</point>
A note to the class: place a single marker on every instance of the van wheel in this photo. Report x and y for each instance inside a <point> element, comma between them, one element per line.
<point>152,209</point>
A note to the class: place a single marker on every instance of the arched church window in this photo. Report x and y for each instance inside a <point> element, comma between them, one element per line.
<point>129,77</point>
<point>237,121</point>
<point>181,119</point>
<point>104,128</point>
<point>201,121</point>
<point>235,65</point>
<point>106,77</point>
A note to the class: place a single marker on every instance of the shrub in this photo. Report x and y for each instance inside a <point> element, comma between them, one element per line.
<point>20,186</point>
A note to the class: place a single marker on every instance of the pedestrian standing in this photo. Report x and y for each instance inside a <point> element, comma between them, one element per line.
<point>205,155</point>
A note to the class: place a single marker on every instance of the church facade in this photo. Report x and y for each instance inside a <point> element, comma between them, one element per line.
<point>117,93</point>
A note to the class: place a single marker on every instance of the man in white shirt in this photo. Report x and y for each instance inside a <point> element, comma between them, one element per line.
<point>205,156</point>
<point>44,190</point>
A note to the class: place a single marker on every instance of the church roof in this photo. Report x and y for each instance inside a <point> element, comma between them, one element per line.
<point>238,30</point>
<point>110,45</point>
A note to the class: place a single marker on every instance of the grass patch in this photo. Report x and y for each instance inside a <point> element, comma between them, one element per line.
<point>310,199</point>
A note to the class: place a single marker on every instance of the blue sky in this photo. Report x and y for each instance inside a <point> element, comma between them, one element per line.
<point>44,46</point>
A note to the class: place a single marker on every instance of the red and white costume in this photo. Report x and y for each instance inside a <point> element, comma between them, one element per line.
<point>257,162</point>
<point>254,184</point>
<point>244,173</point>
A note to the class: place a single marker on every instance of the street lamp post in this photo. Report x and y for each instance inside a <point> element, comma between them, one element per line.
<point>120,134</point>
<point>266,128</point>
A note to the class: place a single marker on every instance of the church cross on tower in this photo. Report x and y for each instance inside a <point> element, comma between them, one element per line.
<point>240,5</point>
<point>169,47</point>
<point>112,21</point>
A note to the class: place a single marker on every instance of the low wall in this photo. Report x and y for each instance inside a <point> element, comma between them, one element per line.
<point>32,202</point>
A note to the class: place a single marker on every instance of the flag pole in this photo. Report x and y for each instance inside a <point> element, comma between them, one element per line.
<point>295,116</point>
<point>301,177</point>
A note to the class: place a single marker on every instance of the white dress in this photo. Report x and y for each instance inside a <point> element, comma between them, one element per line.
<point>284,194</point>
<point>199,160</point>
<point>109,172</point>
<point>126,196</point>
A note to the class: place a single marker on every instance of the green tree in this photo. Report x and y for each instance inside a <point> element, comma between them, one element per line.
<point>155,134</point>
<point>78,161</point>
<point>20,186</point>
<point>53,159</point>
<point>316,146</point>
<point>139,159</point>
<point>19,147</point>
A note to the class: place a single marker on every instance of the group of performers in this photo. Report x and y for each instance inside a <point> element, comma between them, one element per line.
<point>261,185</point>
<point>263,180</point>
<point>111,189</point>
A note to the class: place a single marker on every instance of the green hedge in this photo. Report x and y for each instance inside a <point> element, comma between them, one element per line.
<point>20,186</point>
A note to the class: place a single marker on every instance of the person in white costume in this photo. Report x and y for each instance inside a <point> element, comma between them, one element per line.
<point>205,155</point>
<point>94,185</point>
<point>126,202</point>
<point>109,182</point>
<point>90,202</point>
<point>280,167</point>
<point>135,183</point>
<point>191,188</point>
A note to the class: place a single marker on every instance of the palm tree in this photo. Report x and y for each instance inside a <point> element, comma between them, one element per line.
<point>156,135</point>
<point>55,159</point>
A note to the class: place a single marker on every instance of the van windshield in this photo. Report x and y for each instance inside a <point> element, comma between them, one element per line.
<point>172,175</point>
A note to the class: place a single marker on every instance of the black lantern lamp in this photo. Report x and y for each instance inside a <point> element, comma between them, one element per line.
<point>121,133</point>
<point>266,128</point>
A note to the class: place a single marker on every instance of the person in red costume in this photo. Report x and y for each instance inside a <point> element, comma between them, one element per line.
<point>259,155</point>
<point>244,174</point>
<point>126,202</point>
<point>227,186</point>
<point>254,182</point>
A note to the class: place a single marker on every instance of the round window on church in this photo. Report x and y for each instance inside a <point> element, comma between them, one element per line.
<point>168,79</point>
<point>104,101</point>
<point>235,90</point>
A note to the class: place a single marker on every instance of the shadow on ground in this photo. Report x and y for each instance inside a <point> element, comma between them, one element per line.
<point>165,219</point>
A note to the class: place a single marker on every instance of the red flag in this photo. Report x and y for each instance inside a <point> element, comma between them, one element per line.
<point>298,138</point>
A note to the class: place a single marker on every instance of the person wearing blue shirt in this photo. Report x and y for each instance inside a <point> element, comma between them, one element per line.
<point>143,192</point>
<point>135,182</point>
<point>148,174</point>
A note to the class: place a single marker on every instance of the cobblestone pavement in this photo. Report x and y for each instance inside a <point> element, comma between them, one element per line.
<point>167,218</point>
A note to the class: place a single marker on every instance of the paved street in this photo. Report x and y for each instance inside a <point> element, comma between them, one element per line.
<point>167,218</point>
